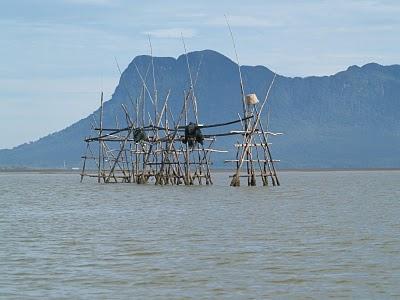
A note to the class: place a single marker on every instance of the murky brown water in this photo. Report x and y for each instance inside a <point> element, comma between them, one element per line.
<point>319,235</point>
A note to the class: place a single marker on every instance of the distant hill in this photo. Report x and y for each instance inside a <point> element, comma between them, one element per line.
<point>347,120</point>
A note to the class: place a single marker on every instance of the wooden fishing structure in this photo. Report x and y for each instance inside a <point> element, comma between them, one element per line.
<point>253,155</point>
<point>156,145</point>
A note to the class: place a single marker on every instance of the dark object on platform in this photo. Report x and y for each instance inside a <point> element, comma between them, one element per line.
<point>139,135</point>
<point>193,134</point>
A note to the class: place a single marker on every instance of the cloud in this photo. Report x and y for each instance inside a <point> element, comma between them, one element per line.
<point>171,33</point>
<point>188,15</point>
<point>60,36</point>
<point>244,21</point>
<point>90,2</point>
<point>55,86</point>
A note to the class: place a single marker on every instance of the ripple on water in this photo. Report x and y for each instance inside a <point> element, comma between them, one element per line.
<point>337,237</point>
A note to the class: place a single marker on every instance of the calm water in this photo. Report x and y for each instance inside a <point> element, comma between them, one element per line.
<point>319,235</point>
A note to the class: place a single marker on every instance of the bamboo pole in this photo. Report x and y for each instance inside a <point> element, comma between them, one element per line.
<point>84,162</point>
<point>100,134</point>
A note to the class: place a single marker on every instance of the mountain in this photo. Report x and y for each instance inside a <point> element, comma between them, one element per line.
<point>348,120</point>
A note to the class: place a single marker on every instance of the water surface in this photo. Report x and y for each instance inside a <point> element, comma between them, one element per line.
<point>319,235</point>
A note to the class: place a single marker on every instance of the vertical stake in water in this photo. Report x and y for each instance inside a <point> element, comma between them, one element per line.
<point>193,97</point>
<point>236,179</point>
<point>154,80</point>
<point>240,73</point>
<point>100,134</point>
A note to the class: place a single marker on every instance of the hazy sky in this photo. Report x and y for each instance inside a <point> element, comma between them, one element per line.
<point>57,55</point>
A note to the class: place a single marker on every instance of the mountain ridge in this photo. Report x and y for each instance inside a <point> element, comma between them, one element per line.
<point>349,108</point>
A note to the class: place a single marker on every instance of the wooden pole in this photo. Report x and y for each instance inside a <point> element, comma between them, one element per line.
<point>84,162</point>
<point>100,134</point>
<point>239,69</point>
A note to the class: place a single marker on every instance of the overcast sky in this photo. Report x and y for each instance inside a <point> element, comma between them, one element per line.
<point>57,55</point>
